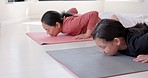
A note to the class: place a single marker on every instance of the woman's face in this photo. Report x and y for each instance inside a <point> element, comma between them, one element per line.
<point>51,30</point>
<point>107,47</point>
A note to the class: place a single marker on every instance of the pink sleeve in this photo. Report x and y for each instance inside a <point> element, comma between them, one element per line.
<point>79,24</point>
<point>92,19</point>
<point>73,11</point>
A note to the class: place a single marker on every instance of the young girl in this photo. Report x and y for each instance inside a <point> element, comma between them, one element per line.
<point>71,23</point>
<point>112,37</point>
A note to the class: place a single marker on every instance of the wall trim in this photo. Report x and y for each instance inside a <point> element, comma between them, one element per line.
<point>13,21</point>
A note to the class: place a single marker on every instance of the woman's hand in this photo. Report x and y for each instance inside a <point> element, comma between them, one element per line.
<point>141,58</point>
<point>81,36</point>
<point>86,35</point>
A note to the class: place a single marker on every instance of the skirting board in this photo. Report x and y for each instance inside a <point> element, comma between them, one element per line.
<point>13,21</point>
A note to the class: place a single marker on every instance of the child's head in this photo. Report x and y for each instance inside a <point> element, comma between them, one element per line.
<point>108,35</point>
<point>51,22</point>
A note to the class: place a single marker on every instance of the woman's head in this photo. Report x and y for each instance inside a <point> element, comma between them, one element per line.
<point>108,35</point>
<point>51,22</point>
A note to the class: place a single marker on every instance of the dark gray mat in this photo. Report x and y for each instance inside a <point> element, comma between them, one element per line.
<point>88,62</point>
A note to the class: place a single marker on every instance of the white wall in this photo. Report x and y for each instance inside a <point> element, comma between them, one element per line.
<point>12,11</point>
<point>126,7</point>
<point>37,9</point>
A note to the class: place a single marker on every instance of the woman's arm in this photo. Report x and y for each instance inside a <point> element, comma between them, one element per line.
<point>73,11</point>
<point>90,19</point>
<point>86,35</point>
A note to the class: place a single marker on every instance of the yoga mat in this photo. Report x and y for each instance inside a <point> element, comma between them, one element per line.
<point>43,39</point>
<point>88,62</point>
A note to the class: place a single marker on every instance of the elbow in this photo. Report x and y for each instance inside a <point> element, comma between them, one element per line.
<point>95,13</point>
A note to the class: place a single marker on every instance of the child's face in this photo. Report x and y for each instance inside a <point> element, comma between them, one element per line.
<point>51,30</point>
<point>107,47</point>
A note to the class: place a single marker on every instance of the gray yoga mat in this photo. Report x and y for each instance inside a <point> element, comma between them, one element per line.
<point>88,62</point>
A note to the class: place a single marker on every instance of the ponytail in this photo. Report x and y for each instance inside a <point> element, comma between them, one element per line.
<point>66,14</point>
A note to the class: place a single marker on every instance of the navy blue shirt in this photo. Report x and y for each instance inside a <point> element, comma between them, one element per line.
<point>137,43</point>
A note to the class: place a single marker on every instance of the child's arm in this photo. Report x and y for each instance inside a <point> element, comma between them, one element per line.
<point>141,58</point>
<point>141,43</point>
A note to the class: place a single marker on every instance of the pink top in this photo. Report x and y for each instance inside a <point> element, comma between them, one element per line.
<point>73,11</point>
<point>78,24</point>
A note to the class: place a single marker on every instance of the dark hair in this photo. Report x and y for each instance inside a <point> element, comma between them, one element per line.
<point>66,14</point>
<point>108,29</point>
<point>51,17</point>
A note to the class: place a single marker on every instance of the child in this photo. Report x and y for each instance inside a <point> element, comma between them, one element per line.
<point>112,37</point>
<point>71,23</point>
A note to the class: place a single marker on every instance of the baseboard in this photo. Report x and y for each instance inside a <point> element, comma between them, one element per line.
<point>35,17</point>
<point>13,21</point>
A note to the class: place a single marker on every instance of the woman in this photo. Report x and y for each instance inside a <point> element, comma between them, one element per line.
<point>71,23</point>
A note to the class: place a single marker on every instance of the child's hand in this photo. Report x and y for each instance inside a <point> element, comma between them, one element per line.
<point>141,58</point>
<point>81,36</point>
